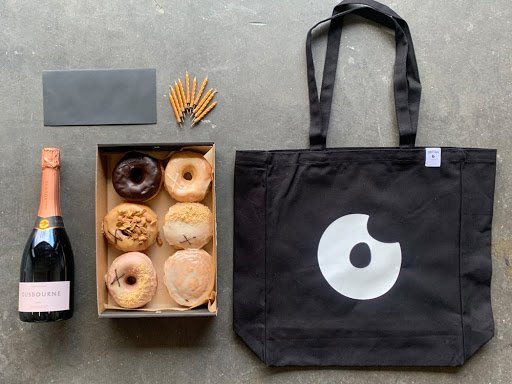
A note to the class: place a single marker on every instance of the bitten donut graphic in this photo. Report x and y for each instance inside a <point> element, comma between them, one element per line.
<point>335,247</point>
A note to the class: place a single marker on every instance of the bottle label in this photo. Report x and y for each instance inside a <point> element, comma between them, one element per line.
<point>44,296</point>
<point>49,222</point>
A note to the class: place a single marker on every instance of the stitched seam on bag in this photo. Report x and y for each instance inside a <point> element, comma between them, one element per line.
<point>375,149</point>
<point>368,337</point>
<point>369,161</point>
<point>261,164</point>
<point>265,273</point>
<point>460,255</point>
<point>372,160</point>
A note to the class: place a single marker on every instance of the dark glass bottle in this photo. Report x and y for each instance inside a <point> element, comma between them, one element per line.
<point>47,268</point>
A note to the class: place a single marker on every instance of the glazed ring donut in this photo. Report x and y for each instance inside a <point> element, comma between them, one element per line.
<point>188,225</point>
<point>189,276</point>
<point>130,227</point>
<point>131,280</point>
<point>188,176</point>
<point>137,177</point>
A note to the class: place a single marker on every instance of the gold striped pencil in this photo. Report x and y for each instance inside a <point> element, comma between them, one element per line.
<point>177,103</point>
<point>187,86</point>
<point>182,100</point>
<point>175,97</point>
<point>203,106</point>
<point>205,112</point>
<point>182,93</point>
<point>206,95</point>
<point>192,94</point>
<point>201,89</point>
<point>173,104</point>
<point>178,97</point>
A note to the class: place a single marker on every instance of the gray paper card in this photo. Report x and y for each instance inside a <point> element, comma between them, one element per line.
<point>99,97</point>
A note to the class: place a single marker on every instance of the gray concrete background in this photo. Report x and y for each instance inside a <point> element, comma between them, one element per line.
<point>253,52</point>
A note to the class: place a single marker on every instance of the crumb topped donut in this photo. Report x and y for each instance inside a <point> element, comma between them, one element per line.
<point>188,176</point>
<point>188,225</point>
<point>131,280</point>
<point>189,276</point>
<point>137,177</point>
<point>130,227</point>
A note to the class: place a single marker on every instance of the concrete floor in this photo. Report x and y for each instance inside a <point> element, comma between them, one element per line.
<point>253,52</point>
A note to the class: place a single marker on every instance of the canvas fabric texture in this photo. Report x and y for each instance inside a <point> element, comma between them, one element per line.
<point>364,256</point>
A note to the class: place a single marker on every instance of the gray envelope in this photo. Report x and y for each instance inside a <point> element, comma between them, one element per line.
<point>99,97</point>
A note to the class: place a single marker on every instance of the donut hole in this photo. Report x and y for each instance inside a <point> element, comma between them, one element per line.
<point>131,280</point>
<point>187,176</point>
<point>136,174</point>
<point>360,255</point>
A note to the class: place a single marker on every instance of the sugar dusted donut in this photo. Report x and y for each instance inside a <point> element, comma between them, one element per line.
<point>188,225</point>
<point>188,176</point>
<point>137,177</point>
<point>130,227</point>
<point>131,280</point>
<point>189,276</point>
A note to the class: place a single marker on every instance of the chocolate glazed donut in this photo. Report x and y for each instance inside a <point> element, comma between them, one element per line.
<point>137,177</point>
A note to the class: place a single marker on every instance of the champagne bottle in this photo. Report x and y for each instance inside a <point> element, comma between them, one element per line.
<point>47,268</point>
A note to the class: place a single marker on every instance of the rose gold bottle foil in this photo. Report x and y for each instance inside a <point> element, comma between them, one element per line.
<point>50,158</point>
<point>49,203</point>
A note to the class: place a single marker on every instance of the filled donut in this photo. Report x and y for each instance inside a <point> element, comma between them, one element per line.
<point>188,225</point>
<point>130,227</point>
<point>188,176</point>
<point>189,276</point>
<point>131,280</point>
<point>137,177</point>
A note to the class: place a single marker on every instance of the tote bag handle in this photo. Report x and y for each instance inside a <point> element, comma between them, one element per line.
<point>406,80</point>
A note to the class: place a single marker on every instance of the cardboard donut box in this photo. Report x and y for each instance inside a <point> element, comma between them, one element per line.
<point>162,305</point>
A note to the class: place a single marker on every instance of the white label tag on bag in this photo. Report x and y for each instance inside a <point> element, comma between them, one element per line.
<point>432,157</point>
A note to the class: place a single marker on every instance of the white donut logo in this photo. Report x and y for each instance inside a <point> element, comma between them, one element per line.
<point>335,247</point>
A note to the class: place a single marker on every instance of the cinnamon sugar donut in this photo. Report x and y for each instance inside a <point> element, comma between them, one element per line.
<point>130,227</point>
<point>131,280</point>
<point>188,176</point>
<point>188,225</point>
<point>190,277</point>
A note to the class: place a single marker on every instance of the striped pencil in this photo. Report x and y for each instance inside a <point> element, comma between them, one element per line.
<point>205,112</point>
<point>182,93</point>
<point>200,104</point>
<point>194,83</point>
<point>187,86</point>
<point>201,89</point>
<point>203,106</point>
<point>178,97</point>
<point>173,104</point>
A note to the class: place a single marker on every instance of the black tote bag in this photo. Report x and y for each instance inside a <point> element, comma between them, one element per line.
<point>364,256</point>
